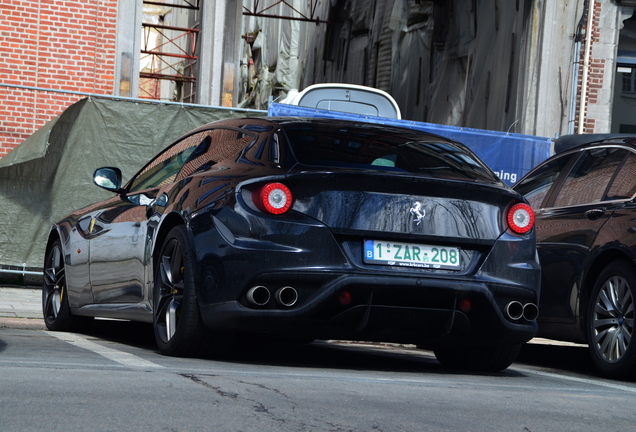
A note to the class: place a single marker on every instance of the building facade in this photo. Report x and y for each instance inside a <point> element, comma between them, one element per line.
<point>54,52</point>
<point>544,68</point>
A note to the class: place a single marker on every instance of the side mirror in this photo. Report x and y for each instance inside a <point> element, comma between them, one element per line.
<point>108,178</point>
<point>162,201</point>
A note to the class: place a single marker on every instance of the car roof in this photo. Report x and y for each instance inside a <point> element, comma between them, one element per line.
<point>567,142</point>
<point>282,121</point>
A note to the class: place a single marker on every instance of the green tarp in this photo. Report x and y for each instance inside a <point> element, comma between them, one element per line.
<point>50,174</point>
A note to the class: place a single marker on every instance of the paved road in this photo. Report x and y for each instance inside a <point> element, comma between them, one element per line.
<point>112,379</point>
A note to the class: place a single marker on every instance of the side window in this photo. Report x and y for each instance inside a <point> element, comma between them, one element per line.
<point>536,186</point>
<point>221,144</point>
<point>590,176</point>
<point>624,184</point>
<point>164,168</point>
<point>195,152</point>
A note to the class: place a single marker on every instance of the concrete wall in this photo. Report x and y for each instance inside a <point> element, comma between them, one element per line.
<point>624,103</point>
<point>490,64</point>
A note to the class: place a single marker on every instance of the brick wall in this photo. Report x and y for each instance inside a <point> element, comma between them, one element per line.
<point>53,44</point>
<point>599,76</point>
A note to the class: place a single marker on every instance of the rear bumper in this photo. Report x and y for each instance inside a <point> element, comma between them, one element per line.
<point>383,308</point>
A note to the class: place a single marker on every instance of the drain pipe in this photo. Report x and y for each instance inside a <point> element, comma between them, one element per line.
<point>576,66</point>
<point>586,65</point>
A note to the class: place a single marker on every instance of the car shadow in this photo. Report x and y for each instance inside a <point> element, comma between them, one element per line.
<point>564,357</point>
<point>335,355</point>
<point>348,355</point>
<point>343,355</point>
<point>137,334</point>
<point>351,355</point>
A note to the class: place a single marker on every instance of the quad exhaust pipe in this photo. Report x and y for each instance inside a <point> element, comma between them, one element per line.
<point>515,311</point>
<point>286,296</point>
<point>530,311</point>
<point>260,295</point>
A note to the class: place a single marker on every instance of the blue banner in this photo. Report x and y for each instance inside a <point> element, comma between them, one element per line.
<point>509,155</point>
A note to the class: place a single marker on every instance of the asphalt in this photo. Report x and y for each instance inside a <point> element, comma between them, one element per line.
<point>21,307</point>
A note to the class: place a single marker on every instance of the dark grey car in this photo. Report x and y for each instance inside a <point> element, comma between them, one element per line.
<point>584,202</point>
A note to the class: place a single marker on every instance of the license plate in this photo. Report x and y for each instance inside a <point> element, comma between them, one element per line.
<point>411,255</point>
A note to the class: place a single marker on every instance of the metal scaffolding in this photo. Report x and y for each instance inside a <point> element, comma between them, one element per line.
<point>171,42</point>
<point>261,11</point>
<point>185,4</point>
<point>169,54</point>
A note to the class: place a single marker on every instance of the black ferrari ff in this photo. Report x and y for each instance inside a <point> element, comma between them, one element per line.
<point>305,229</point>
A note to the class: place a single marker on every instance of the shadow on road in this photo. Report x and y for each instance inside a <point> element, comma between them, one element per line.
<point>560,357</point>
<point>341,355</point>
<point>318,354</point>
<point>349,355</point>
<point>255,350</point>
<point>131,333</point>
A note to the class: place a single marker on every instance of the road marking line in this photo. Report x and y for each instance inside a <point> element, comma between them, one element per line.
<point>579,380</point>
<point>121,357</point>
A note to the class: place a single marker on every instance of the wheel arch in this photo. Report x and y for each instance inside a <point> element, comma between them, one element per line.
<point>60,231</point>
<point>170,221</point>
<point>598,264</point>
<point>54,235</point>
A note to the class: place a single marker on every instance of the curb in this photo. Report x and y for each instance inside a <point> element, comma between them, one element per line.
<point>22,323</point>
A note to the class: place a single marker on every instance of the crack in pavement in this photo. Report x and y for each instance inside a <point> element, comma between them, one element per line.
<point>218,390</point>
<point>257,406</point>
<point>264,387</point>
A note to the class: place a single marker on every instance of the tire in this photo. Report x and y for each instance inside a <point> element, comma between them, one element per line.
<point>610,321</point>
<point>55,306</point>
<point>483,358</point>
<point>178,327</point>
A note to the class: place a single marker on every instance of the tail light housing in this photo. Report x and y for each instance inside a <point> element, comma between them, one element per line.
<point>274,198</point>
<point>520,218</point>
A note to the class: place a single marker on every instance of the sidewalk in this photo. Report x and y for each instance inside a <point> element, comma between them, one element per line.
<point>20,303</point>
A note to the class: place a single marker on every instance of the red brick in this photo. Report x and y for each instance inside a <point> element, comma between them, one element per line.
<point>76,41</point>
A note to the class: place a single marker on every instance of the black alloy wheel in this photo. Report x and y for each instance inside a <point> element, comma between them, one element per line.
<point>55,306</point>
<point>179,329</point>
<point>170,292</point>
<point>610,321</point>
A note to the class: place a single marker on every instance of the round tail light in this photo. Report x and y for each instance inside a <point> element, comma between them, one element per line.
<point>465,305</point>
<point>345,298</point>
<point>521,218</point>
<point>274,198</point>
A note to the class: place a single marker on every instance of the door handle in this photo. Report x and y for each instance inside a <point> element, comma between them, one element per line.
<point>594,214</point>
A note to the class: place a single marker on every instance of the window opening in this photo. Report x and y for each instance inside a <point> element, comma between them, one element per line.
<point>169,51</point>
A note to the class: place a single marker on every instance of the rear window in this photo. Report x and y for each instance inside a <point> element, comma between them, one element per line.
<point>589,178</point>
<point>624,184</point>
<point>381,148</point>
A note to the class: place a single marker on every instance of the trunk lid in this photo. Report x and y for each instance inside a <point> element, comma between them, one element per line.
<point>402,206</point>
